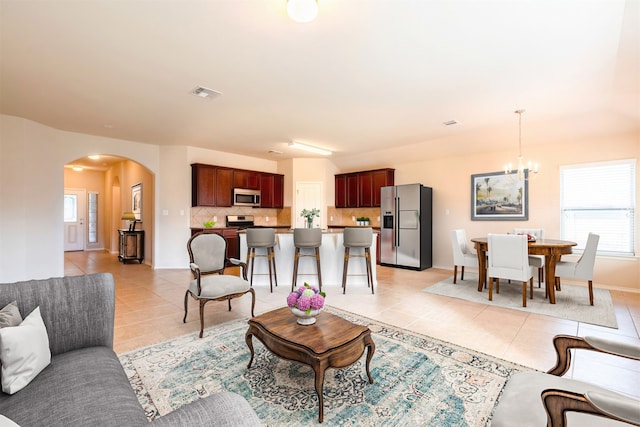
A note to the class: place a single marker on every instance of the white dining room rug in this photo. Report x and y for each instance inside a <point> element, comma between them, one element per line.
<point>572,302</point>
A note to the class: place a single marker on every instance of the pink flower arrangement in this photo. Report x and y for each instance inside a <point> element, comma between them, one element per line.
<point>306,298</point>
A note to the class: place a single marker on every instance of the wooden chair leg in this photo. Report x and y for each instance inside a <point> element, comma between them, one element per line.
<point>524,294</point>
<point>319,269</point>
<point>202,303</point>
<point>455,273</point>
<point>253,262</point>
<point>367,254</point>
<point>269,263</point>
<point>345,267</point>
<point>531,289</point>
<point>590,292</point>
<point>497,286</point>
<point>186,306</point>
<point>462,273</point>
<point>273,260</point>
<point>490,288</point>
<point>296,257</point>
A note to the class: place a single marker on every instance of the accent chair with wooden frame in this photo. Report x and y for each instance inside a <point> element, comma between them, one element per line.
<point>509,259</point>
<point>537,399</point>
<point>207,256</point>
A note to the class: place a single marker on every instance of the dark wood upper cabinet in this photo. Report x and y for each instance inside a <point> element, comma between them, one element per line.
<point>211,185</point>
<point>224,187</point>
<point>203,185</point>
<point>352,190</point>
<point>361,189</point>
<point>246,179</point>
<point>341,191</point>
<point>380,178</point>
<point>271,190</point>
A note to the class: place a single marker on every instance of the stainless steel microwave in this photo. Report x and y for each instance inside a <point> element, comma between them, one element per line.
<point>246,197</point>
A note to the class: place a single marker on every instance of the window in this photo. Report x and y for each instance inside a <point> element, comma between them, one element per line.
<point>599,198</point>
<point>93,217</point>
<point>70,208</point>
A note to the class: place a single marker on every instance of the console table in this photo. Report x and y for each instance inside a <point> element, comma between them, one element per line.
<point>131,244</point>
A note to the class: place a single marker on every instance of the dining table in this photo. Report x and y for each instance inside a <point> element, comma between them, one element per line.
<point>551,249</point>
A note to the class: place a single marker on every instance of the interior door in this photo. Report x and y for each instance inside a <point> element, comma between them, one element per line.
<point>308,196</point>
<point>74,219</point>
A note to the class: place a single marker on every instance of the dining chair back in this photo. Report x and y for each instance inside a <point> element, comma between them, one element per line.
<point>306,239</point>
<point>536,261</point>
<point>462,254</point>
<point>509,259</point>
<point>583,268</point>
<point>357,238</point>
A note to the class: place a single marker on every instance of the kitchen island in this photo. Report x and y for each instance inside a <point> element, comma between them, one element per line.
<point>331,261</point>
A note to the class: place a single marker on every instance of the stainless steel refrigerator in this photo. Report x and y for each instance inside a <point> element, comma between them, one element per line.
<point>406,226</point>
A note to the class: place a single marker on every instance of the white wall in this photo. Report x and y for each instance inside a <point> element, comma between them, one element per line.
<point>32,158</point>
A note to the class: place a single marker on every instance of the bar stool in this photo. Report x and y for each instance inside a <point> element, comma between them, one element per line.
<point>306,238</point>
<point>262,238</point>
<point>357,238</point>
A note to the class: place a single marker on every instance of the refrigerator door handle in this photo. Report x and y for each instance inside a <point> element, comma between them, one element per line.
<point>397,224</point>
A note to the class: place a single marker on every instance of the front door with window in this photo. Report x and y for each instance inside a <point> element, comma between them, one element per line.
<point>74,212</point>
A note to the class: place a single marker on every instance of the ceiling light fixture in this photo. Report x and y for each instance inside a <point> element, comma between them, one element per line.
<point>522,171</point>
<point>302,11</point>
<point>95,157</point>
<point>205,92</point>
<point>309,148</point>
<point>78,168</point>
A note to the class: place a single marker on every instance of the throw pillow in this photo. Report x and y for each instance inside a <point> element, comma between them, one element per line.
<point>10,315</point>
<point>24,352</point>
<point>6,422</point>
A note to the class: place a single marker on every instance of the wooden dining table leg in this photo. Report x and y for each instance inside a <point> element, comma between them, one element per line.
<point>550,276</point>
<point>482,265</point>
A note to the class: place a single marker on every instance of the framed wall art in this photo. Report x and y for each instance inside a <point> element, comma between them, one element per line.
<point>136,201</point>
<point>499,196</point>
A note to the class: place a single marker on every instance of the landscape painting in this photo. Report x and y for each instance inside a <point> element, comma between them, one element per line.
<point>499,196</point>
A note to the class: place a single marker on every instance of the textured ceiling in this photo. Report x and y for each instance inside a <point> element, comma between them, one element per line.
<point>366,74</point>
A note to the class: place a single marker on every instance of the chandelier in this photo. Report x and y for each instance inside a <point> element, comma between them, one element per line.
<point>522,169</point>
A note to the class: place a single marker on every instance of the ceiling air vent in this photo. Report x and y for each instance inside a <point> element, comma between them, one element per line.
<point>450,122</point>
<point>205,92</point>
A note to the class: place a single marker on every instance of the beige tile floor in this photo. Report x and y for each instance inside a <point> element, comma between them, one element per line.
<point>149,309</point>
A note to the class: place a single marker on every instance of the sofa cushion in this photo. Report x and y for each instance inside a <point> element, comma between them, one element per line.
<point>10,315</point>
<point>79,388</point>
<point>24,352</point>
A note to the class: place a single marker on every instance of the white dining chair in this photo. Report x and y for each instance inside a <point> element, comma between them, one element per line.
<point>536,261</point>
<point>462,255</point>
<point>509,259</point>
<point>583,268</point>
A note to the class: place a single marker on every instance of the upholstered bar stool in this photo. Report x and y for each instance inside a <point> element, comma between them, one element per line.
<point>357,238</point>
<point>262,238</point>
<point>306,238</point>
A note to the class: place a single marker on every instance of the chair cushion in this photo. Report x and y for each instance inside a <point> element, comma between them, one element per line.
<point>536,261</point>
<point>219,285</point>
<point>521,404</point>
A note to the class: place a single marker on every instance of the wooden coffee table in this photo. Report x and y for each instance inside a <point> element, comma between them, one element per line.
<point>332,342</point>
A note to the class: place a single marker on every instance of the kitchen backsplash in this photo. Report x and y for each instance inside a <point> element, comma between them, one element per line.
<point>282,217</point>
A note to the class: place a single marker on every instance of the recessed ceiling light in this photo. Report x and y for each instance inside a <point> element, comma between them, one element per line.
<point>205,92</point>
<point>451,122</point>
<point>94,156</point>
<point>274,152</point>
<point>78,168</point>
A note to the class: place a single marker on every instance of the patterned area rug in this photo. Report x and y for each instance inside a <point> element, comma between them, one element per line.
<point>572,302</point>
<point>418,380</point>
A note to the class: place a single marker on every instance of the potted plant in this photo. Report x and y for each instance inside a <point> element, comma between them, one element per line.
<point>309,215</point>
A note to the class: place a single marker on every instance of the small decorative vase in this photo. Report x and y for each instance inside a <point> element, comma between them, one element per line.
<point>304,318</point>
<point>310,223</point>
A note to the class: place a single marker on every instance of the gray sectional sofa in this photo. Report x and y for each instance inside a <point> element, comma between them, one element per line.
<point>85,383</point>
